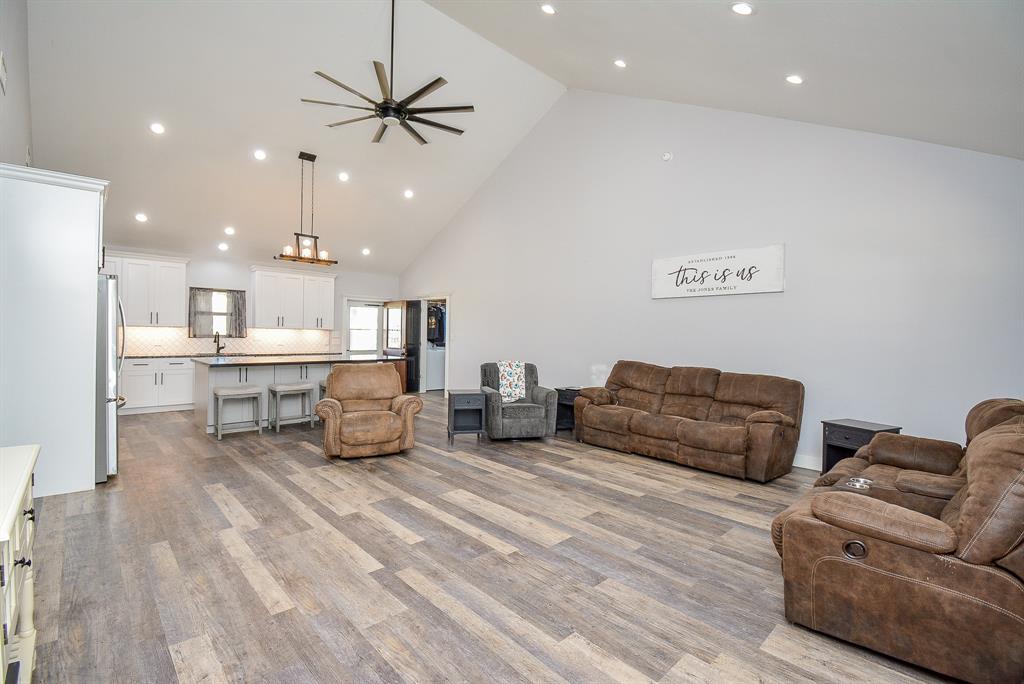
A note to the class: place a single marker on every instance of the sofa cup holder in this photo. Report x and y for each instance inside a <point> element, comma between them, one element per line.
<point>855,550</point>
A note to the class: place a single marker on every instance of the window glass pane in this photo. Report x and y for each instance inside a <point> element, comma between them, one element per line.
<point>363,339</point>
<point>364,317</point>
<point>220,324</point>
<point>394,327</point>
<point>220,302</point>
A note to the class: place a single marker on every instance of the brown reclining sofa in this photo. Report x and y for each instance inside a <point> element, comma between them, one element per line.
<point>731,423</point>
<point>926,563</point>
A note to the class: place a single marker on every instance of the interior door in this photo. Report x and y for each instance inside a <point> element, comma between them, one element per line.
<point>136,292</point>
<point>170,298</point>
<point>364,329</point>
<point>290,287</point>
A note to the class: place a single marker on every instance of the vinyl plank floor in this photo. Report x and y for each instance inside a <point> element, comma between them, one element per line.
<point>256,559</point>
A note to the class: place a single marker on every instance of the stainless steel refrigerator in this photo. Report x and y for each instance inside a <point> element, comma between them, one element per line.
<point>109,357</point>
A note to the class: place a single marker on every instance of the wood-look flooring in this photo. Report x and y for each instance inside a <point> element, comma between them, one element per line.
<point>255,559</point>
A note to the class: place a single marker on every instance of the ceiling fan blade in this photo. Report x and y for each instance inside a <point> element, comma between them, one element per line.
<point>343,86</point>
<point>379,135</point>
<point>348,121</point>
<point>424,91</point>
<point>415,136</point>
<point>335,104</point>
<point>439,110</point>
<point>382,78</point>
<point>427,122</point>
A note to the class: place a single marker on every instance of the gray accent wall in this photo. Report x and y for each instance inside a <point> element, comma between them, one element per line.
<point>904,300</point>
<point>15,110</point>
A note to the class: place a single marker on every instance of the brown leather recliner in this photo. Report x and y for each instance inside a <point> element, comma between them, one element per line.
<point>365,412</point>
<point>927,563</point>
<point>730,423</point>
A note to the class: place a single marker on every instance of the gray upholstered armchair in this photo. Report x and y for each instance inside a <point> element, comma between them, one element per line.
<point>531,416</point>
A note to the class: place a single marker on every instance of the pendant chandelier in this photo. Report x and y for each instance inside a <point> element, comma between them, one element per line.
<point>306,249</point>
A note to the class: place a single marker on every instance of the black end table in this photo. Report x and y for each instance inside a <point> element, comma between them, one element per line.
<point>842,437</point>
<point>467,410</point>
<point>566,418</point>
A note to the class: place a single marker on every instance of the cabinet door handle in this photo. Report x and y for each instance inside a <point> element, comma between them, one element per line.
<point>247,375</point>
<point>161,378</point>
<point>239,376</point>
<point>158,318</point>
<point>154,378</point>
<point>151,318</point>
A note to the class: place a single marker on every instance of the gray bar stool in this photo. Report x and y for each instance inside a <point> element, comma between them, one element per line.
<point>250,392</point>
<point>323,389</point>
<point>279,390</point>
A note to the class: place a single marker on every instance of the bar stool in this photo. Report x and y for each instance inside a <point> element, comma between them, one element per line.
<point>250,392</point>
<point>323,389</point>
<point>279,390</point>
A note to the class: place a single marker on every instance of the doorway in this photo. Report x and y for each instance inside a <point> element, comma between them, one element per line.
<point>435,344</point>
<point>365,329</point>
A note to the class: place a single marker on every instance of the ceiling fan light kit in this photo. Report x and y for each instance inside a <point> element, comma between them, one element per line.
<point>307,245</point>
<point>390,111</point>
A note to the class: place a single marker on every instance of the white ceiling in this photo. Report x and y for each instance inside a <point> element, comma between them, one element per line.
<point>943,71</point>
<point>226,78</point>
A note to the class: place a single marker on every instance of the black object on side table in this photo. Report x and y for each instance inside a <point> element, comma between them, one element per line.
<point>842,437</point>
<point>566,419</point>
<point>466,413</point>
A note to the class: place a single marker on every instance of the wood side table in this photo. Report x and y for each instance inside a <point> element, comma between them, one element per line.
<point>467,413</point>
<point>840,438</point>
<point>566,418</point>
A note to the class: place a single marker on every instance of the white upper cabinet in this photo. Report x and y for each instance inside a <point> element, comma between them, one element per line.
<point>318,296</point>
<point>154,292</point>
<point>288,299</point>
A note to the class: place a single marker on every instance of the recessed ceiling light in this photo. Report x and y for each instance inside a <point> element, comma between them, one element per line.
<point>366,251</point>
<point>794,79</point>
<point>223,246</point>
<point>621,63</point>
<point>343,177</point>
<point>141,218</point>
<point>744,8</point>
<point>260,155</point>
<point>229,231</point>
<point>547,9</point>
<point>408,194</point>
<point>157,128</point>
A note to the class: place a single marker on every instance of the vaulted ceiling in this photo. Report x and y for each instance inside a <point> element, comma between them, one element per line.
<point>225,78</point>
<point>944,71</point>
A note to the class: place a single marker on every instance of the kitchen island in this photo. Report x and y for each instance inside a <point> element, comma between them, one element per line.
<point>262,371</point>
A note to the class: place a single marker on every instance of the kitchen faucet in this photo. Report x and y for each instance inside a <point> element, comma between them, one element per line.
<point>216,342</point>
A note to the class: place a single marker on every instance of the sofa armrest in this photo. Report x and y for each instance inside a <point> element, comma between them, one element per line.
<point>884,521</point>
<point>492,404</point>
<point>406,403</point>
<point>328,409</point>
<point>771,417</point>
<point>929,484</point>
<point>330,412</point>
<point>598,395</point>
<point>848,467</point>
<point>915,453</point>
<point>548,398</point>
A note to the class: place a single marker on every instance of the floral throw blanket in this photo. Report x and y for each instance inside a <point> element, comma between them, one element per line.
<point>511,380</point>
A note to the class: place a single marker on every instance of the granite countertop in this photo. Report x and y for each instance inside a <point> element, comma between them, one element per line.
<point>284,360</point>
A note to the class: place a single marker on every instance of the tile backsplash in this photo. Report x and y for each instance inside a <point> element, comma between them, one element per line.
<point>146,341</point>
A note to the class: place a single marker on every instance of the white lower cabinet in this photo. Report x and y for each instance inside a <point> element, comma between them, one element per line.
<point>312,373</point>
<point>17,575</point>
<point>156,383</point>
<point>239,410</point>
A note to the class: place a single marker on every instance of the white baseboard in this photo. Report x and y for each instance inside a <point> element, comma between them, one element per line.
<point>808,461</point>
<point>154,409</point>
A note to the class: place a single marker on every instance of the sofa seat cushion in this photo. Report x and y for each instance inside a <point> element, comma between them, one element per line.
<point>726,439</point>
<point>609,418</point>
<point>655,425</point>
<point>521,410</point>
<point>370,427</point>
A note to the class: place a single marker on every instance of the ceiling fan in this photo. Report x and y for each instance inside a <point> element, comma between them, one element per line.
<point>390,111</point>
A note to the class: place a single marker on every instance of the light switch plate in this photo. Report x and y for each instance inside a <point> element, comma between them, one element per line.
<point>3,74</point>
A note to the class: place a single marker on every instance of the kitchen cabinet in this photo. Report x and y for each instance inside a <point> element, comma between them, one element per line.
<point>277,299</point>
<point>111,266</point>
<point>156,383</point>
<point>318,302</point>
<point>154,292</point>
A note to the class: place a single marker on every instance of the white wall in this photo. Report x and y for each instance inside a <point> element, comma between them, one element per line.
<point>15,119</point>
<point>904,300</point>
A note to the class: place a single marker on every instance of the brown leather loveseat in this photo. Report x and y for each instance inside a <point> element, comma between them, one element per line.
<point>731,423</point>
<point>926,561</point>
<point>365,412</point>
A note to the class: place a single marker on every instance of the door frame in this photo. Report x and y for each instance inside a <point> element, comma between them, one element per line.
<point>447,298</point>
<point>345,301</point>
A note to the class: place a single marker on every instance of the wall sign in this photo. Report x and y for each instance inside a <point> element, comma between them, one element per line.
<point>736,271</point>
